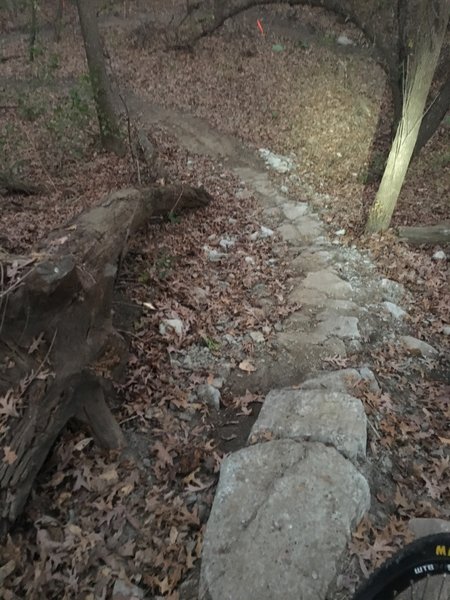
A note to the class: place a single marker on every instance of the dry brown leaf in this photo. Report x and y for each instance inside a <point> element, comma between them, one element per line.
<point>9,456</point>
<point>247,366</point>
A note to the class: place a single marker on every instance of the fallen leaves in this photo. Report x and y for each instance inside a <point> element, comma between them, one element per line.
<point>247,366</point>
<point>9,455</point>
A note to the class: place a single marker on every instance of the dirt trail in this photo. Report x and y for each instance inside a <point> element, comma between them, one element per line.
<point>337,302</point>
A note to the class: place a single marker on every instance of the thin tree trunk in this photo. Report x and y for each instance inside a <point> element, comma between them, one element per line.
<point>108,121</point>
<point>420,71</point>
<point>59,16</point>
<point>33,30</point>
<point>434,115</point>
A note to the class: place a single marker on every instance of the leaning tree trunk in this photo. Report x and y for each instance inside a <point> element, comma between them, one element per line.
<point>108,121</point>
<point>434,115</point>
<point>57,339</point>
<point>427,45</point>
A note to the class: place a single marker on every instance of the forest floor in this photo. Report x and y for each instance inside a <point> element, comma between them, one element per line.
<point>99,525</point>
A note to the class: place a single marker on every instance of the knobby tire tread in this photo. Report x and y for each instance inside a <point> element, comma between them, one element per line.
<point>397,573</point>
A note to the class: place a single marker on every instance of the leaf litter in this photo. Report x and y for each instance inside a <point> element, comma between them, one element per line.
<point>95,518</point>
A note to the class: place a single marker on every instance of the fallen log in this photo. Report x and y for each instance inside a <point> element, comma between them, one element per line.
<point>431,234</point>
<point>57,338</point>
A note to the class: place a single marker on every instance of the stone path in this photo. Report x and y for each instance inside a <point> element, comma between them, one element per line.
<point>287,503</point>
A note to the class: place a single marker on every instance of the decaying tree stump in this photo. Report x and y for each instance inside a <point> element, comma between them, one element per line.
<point>57,339</point>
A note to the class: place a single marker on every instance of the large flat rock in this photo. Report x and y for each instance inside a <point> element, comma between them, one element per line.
<point>281,517</point>
<point>333,418</point>
<point>342,380</point>
<point>324,282</point>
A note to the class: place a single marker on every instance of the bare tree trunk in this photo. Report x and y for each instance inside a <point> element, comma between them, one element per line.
<point>59,16</point>
<point>108,121</point>
<point>33,30</point>
<point>426,45</point>
<point>434,115</point>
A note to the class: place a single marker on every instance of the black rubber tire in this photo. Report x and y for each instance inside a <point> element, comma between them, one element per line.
<point>429,555</point>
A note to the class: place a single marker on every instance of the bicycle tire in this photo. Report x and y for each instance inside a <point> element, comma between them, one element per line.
<point>425,557</point>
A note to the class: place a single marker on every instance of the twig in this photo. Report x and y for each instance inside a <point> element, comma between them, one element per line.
<point>176,203</point>
<point>17,283</point>
<point>33,377</point>
<point>373,429</point>
<point>2,279</point>
<point>130,143</point>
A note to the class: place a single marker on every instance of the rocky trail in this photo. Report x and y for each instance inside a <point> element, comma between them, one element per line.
<point>286,422</point>
<point>288,501</point>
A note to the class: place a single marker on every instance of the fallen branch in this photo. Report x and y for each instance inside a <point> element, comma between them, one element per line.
<point>431,234</point>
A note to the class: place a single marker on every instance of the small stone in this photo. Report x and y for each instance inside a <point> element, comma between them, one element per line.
<point>281,164</point>
<point>265,232</point>
<point>209,394</point>
<point>284,189</point>
<point>175,324</point>
<point>227,243</point>
<point>446,330</point>
<point>293,211</point>
<point>419,347</point>
<point>369,377</point>
<point>392,290</point>
<point>249,260</point>
<point>257,337</point>
<point>439,255</point>
<point>125,589</point>
<point>354,346</point>
<point>340,232</point>
<point>218,382</point>
<point>343,40</point>
<point>395,310</point>
<point>214,255</point>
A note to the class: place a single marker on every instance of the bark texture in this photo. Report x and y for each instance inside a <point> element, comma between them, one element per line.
<point>108,121</point>
<point>58,342</point>
<point>426,43</point>
<point>434,115</point>
<point>431,234</point>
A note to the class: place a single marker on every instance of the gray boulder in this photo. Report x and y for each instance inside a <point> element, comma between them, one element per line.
<point>333,418</point>
<point>281,517</point>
